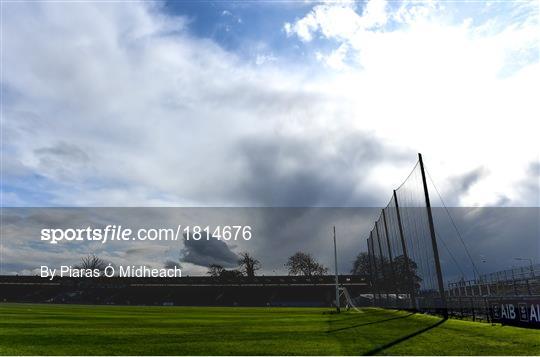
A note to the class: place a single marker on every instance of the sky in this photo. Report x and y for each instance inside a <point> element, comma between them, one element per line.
<point>268,103</point>
<point>279,103</point>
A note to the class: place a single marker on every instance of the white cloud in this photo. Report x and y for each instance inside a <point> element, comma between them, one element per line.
<point>150,117</point>
<point>157,115</point>
<point>339,20</point>
<point>332,20</point>
<point>374,14</point>
<point>336,59</point>
<point>265,58</point>
<point>459,92</point>
<point>415,11</point>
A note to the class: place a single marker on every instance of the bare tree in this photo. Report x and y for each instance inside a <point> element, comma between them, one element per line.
<point>215,270</point>
<point>93,262</point>
<point>304,264</point>
<point>248,264</point>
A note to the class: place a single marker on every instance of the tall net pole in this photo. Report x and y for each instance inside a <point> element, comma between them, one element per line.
<point>392,273</point>
<point>433,240</point>
<point>405,254</point>
<point>335,265</point>
<point>384,279</point>
<point>371,278</point>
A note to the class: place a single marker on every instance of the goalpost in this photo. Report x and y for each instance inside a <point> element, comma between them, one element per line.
<point>349,301</point>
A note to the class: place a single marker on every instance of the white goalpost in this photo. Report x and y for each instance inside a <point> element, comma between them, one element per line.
<point>349,302</point>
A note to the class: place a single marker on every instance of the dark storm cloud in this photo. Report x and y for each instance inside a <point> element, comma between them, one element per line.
<point>68,152</point>
<point>494,237</point>
<point>460,185</point>
<point>465,182</point>
<point>171,264</point>
<point>284,231</point>
<point>208,251</point>
<point>22,248</point>
<point>302,171</point>
<point>62,160</point>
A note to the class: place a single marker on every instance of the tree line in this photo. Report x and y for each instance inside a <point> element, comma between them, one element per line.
<point>299,263</point>
<point>400,273</point>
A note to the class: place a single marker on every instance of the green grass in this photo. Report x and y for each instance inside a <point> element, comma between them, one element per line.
<point>28,329</point>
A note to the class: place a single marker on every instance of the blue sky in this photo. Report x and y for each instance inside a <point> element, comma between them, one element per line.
<point>232,23</point>
<point>247,27</point>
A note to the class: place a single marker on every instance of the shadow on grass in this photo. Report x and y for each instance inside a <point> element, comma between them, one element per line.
<point>401,339</point>
<point>354,316</point>
<point>369,323</point>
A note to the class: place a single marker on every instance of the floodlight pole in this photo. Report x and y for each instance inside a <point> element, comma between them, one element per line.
<point>335,265</point>
<point>433,240</point>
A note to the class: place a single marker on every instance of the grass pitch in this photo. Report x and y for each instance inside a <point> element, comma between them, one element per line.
<point>28,329</point>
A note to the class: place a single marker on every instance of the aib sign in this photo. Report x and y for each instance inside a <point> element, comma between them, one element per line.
<point>516,312</point>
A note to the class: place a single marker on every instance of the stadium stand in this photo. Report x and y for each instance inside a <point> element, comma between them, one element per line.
<point>184,291</point>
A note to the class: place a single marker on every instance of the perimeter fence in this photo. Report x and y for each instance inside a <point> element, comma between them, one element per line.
<point>404,266</point>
